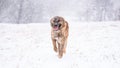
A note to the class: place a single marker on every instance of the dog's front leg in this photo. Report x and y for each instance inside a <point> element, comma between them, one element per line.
<point>54,45</point>
<point>60,50</point>
<point>61,47</point>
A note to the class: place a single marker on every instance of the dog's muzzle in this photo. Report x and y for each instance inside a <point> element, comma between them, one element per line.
<point>56,26</point>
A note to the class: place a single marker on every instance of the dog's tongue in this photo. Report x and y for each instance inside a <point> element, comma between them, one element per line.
<point>55,28</point>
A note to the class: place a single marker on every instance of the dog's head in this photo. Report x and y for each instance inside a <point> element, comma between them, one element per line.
<point>57,23</point>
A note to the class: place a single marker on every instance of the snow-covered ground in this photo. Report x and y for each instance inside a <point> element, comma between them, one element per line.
<point>90,45</point>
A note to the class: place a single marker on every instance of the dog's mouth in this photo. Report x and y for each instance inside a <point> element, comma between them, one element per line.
<point>56,27</point>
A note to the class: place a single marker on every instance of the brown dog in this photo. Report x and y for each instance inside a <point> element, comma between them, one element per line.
<point>59,34</point>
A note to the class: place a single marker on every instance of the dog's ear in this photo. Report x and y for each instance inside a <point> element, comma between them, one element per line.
<point>62,19</point>
<point>51,20</point>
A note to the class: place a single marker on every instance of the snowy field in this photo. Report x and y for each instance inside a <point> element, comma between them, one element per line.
<point>90,45</point>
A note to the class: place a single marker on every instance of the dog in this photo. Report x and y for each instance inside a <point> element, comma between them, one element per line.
<point>59,34</point>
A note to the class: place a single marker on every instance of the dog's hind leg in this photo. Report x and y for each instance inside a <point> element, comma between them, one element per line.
<point>64,47</point>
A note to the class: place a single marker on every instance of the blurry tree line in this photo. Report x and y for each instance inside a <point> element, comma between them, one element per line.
<point>37,11</point>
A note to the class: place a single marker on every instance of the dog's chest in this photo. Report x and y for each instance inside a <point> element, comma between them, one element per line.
<point>57,35</point>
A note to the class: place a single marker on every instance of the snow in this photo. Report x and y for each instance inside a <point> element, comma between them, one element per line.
<point>90,45</point>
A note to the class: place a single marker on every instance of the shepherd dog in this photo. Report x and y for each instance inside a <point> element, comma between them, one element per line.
<point>59,34</point>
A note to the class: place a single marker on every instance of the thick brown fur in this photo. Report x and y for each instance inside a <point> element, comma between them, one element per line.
<point>59,37</point>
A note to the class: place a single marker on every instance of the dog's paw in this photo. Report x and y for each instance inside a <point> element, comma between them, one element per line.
<point>64,51</point>
<point>55,49</point>
<point>59,56</point>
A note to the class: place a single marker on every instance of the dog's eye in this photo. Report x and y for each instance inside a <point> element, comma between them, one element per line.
<point>59,25</point>
<point>56,20</point>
